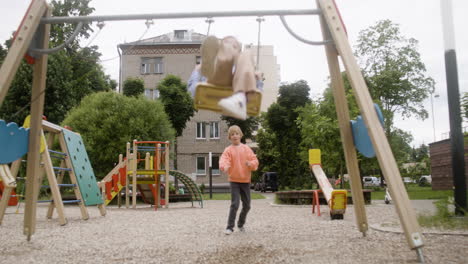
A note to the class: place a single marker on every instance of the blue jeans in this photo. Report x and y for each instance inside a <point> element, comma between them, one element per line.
<point>239,191</point>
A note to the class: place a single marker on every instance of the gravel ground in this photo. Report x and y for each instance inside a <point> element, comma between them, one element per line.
<point>274,234</point>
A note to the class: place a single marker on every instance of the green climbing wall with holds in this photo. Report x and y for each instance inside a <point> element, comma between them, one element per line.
<point>82,167</point>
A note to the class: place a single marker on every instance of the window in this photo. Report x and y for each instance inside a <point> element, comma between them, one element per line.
<point>201,165</point>
<point>214,130</point>
<point>158,65</point>
<point>215,165</point>
<point>180,34</point>
<point>145,66</point>
<point>197,60</point>
<point>152,94</point>
<point>152,65</point>
<point>201,131</point>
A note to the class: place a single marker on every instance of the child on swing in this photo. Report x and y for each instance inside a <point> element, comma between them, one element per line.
<point>224,64</point>
<point>238,160</point>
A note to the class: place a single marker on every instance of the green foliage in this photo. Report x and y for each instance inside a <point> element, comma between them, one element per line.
<point>280,123</point>
<point>72,73</point>
<point>61,32</point>
<point>394,71</point>
<point>247,126</point>
<point>177,101</point>
<point>107,121</point>
<point>133,87</point>
<point>464,105</point>
<point>444,217</point>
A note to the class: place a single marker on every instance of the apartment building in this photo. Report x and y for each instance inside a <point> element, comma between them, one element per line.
<point>177,53</point>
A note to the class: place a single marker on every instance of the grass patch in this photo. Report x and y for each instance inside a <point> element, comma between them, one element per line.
<point>416,192</point>
<point>444,217</point>
<point>227,196</point>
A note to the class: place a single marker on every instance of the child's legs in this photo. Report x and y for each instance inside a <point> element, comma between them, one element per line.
<point>245,197</point>
<point>244,76</point>
<point>224,61</point>
<point>235,197</point>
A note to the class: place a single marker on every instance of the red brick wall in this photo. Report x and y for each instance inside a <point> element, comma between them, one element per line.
<point>441,164</point>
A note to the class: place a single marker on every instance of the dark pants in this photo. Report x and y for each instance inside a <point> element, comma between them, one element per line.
<point>239,191</point>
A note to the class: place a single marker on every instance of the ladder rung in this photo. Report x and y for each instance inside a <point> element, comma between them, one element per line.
<point>63,169</point>
<point>58,152</point>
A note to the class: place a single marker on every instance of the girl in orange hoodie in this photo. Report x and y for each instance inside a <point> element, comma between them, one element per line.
<point>238,160</point>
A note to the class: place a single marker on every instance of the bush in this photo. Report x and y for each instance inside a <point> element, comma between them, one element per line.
<point>107,121</point>
<point>133,87</point>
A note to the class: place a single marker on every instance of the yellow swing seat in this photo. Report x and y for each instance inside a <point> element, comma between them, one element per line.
<point>208,95</point>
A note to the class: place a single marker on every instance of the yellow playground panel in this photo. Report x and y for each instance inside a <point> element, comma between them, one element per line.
<point>336,199</point>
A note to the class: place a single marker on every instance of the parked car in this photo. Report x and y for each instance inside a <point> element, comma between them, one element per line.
<point>425,180</point>
<point>370,181</point>
<point>269,182</point>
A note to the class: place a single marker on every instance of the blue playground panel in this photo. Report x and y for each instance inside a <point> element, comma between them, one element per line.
<point>361,138</point>
<point>82,167</point>
<point>13,141</point>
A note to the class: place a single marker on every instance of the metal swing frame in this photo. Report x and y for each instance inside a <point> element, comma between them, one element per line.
<point>36,23</point>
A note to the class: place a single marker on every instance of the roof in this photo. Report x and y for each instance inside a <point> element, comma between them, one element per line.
<point>174,37</point>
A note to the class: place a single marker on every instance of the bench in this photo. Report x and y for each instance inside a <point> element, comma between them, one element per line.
<point>305,197</point>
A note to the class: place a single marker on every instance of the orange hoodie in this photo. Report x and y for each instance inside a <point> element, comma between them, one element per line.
<point>235,158</point>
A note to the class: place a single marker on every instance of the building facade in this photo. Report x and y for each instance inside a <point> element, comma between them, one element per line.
<point>177,53</point>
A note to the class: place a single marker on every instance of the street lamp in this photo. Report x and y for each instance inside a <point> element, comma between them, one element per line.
<point>432,110</point>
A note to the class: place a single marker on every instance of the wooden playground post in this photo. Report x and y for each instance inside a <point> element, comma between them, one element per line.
<point>384,154</point>
<point>127,181</point>
<point>134,174</point>
<point>157,179</point>
<point>342,110</point>
<point>37,108</point>
<point>119,195</point>
<point>166,176</point>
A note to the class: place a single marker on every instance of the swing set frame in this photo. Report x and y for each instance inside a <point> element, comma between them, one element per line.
<point>33,34</point>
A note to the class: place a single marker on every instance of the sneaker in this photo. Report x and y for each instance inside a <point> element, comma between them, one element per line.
<point>209,50</point>
<point>241,229</point>
<point>228,231</point>
<point>234,106</point>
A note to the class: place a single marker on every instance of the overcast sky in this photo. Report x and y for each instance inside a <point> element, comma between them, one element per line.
<point>419,19</point>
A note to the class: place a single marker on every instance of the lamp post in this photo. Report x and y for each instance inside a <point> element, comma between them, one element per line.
<point>432,112</point>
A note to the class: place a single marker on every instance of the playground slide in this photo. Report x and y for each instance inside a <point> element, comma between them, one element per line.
<point>336,199</point>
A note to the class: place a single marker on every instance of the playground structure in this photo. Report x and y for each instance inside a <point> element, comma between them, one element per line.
<point>140,172</point>
<point>73,160</point>
<point>36,23</point>
<point>336,199</point>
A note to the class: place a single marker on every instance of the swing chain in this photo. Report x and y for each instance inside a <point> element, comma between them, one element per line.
<point>209,20</point>
<point>259,19</point>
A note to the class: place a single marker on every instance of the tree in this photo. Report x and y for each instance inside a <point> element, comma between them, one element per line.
<point>133,87</point>
<point>72,73</point>
<point>108,120</point>
<point>394,71</point>
<point>281,121</point>
<point>178,105</point>
<point>177,102</point>
<point>464,103</point>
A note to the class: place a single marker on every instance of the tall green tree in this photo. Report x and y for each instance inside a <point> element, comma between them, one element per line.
<point>108,120</point>
<point>178,105</point>
<point>394,72</point>
<point>72,73</point>
<point>281,121</point>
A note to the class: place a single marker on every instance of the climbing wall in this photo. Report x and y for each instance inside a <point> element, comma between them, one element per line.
<point>82,168</point>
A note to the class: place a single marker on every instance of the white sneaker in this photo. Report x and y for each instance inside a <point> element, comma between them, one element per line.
<point>209,50</point>
<point>242,229</point>
<point>235,106</point>
<point>228,231</point>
